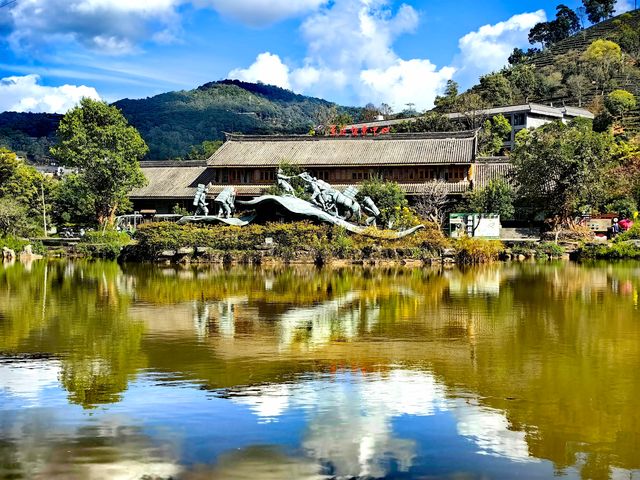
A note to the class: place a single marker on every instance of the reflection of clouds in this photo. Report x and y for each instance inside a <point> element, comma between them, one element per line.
<point>262,462</point>
<point>28,380</point>
<point>490,431</point>
<point>350,419</point>
<point>267,401</point>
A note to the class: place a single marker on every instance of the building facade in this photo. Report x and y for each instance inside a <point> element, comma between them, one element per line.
<point>249,163</point>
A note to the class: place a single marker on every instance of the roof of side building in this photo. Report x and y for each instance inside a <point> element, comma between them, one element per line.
<point>170,180</point>
<point>315,151</point>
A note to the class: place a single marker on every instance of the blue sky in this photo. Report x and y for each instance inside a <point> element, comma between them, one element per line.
<point>53,52</point>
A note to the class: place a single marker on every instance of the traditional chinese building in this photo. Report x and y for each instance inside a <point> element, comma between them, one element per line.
<point>249,163</point>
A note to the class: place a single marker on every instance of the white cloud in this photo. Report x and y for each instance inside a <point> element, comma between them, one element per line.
<point>267,68</point>
<point>117,27</point>
<point>109,26</point>
<point>406,81</point>
<point>488,48</point>
<point>262,12</point>
<point>350,54</point>
<point>25,94</point>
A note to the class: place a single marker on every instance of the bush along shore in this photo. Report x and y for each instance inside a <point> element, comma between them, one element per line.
<point>626,246</point>
<point>297,242</point>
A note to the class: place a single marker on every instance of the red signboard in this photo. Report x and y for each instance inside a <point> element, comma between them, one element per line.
<point>363,131</point>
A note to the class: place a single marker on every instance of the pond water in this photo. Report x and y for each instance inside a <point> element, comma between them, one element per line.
<point>504,371</point>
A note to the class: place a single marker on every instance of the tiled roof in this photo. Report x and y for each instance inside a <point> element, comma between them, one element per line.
<point>309,151</point>
<point>490,169</point>
<point>170,181</point>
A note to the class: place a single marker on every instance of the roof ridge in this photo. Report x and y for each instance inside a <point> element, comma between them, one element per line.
<point>463,134</point>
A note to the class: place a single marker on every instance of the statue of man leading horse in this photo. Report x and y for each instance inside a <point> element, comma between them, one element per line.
<point>339,204</point>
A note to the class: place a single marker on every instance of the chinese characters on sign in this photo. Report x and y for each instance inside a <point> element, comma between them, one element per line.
<point>357,131</point>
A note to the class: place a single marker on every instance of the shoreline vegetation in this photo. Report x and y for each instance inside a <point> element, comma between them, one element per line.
<point>308,243</point>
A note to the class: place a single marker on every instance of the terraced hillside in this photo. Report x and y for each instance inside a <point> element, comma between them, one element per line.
<point>612,29</point>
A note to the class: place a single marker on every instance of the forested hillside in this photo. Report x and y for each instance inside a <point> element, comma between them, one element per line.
<point>172,123</point>
<point>30,134</point>
<point>591,68</point>
<point>176,124</point>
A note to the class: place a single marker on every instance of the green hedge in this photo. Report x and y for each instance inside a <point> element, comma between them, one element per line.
<point>288,238</point>
<point>105,245</point>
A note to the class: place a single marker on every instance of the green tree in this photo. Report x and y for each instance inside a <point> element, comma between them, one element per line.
<point>566,23</point>
<point>560,169</point>
<point>603,59</point>
<point>448,102</point>
<point>24,186</point>
<point>497,197</point>
<point>495,89</point>
<point>472,107</point>
<point>493,134</point>
<point>388,197</point>
<point>14,219</point>
<point>519,56</point>
<point>96,138</point>
<point>525,80</point>
<point>204,150</point>
<point>619,102</point>
<point>598,10</point>
<point>430,122</point>
<point>578,86</point>
<point>73,201</point>
<point>541,33</point>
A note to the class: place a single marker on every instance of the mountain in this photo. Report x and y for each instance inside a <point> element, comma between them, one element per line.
<point>173,123</point>
<point>30,134</point>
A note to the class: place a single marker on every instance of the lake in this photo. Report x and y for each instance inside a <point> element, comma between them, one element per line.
<point>503,371</point>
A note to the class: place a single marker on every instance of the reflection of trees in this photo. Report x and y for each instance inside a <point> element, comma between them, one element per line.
<point>79,312</point>
<point>554,346</point>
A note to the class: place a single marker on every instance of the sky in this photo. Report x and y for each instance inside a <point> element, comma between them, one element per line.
<point>352,52</point>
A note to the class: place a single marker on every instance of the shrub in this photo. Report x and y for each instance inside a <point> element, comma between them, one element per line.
<point>106,245</point>
<point>550,249</point>
<point>17,244</point>
<point>289,238</point>
<point>617,251</point>
<point>471,250</point>
<point>632,234</point>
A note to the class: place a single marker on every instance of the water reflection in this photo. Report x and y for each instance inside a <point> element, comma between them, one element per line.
<point>330,373</point>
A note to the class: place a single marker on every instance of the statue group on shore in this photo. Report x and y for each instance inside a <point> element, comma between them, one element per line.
<point>331,200</point>
<point>341,205</point>
<point>225,201</point>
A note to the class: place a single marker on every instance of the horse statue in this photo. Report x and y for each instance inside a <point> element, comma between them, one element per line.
<point>345,204</point>
<point>331,200</point>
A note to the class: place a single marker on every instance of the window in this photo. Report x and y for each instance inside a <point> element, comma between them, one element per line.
<point>519,119</point>
<point>323,175</point>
